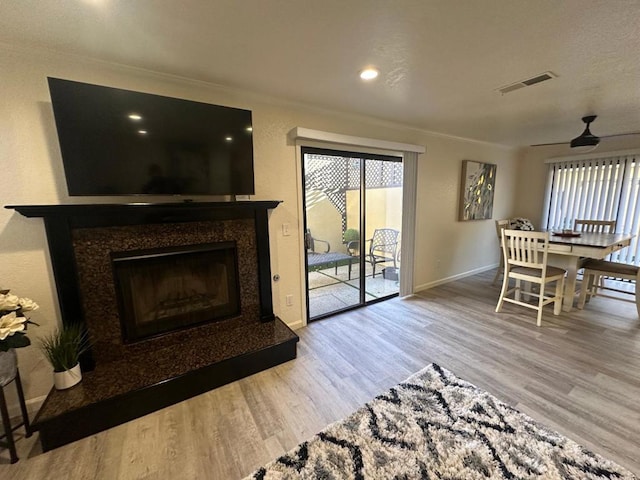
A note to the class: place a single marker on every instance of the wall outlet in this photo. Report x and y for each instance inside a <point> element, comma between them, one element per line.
<point>289,300</point>
<point>285,230</point>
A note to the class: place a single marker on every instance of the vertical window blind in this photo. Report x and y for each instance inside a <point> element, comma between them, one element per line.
<point>596,189</point>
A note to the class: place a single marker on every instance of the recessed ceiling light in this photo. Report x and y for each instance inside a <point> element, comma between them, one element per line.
<point>135,117</point>
<point>369,73</point>
<point>142,132</point>
<point>228,139</point>
<point>249,129</point>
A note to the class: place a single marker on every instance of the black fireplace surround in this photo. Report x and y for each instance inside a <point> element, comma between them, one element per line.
<point>218,328</point>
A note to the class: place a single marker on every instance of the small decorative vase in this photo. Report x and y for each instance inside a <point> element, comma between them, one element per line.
<point>8,366</point>
<point>68,378</point>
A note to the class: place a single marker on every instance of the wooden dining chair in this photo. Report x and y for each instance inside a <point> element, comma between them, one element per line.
<point>593,285</point>
<point>525,259</point>
<point>594,226</point>
<point>500,225</point>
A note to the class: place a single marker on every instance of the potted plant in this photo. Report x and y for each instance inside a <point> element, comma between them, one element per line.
<point>63,348</point>
<point>351,238</point>
<point>350,235</point>
<point>13,326</point>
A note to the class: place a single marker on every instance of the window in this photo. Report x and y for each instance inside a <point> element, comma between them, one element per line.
<point>598,189</point>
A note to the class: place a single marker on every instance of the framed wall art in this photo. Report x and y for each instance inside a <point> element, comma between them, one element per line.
<point>476,190</point>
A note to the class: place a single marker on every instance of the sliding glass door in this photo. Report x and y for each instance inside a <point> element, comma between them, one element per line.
<point>353,212</point>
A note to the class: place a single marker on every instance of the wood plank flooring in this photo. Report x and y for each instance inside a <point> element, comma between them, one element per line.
<point>578,374</point>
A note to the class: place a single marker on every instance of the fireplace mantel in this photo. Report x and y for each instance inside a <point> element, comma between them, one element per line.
<point>94,214</point>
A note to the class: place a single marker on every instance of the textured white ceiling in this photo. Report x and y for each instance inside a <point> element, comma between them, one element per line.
<point>440,60</point>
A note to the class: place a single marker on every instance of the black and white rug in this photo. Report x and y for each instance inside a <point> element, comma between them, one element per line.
<point>437,426</point>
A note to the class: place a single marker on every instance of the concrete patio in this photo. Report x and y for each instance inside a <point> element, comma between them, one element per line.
<point>329,292</point>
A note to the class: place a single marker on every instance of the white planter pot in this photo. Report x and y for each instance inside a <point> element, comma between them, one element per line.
<point>68,378</point>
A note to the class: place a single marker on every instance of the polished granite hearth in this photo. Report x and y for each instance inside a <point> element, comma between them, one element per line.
<point>119,391</point>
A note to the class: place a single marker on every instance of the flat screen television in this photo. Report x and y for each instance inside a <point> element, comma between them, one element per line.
<point>120,142</point>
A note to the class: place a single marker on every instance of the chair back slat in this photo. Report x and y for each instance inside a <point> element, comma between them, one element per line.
<point>525,248</point>
<point>594,226</point>
<point>529,249</point>
<point>501,225</point>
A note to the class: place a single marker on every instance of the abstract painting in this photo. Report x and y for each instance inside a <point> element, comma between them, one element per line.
<point>476,194</point>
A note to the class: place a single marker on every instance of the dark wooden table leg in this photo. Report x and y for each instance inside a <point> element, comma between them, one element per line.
<point>23,405</point>
<point>6,422</point>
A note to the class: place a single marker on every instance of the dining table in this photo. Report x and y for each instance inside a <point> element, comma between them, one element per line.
<point>570,250</point>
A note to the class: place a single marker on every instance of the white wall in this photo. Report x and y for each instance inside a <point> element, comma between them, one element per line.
<point>32,174</point>
<point>445,247</point>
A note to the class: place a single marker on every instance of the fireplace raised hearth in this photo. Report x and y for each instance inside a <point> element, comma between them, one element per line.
<point>176,299</point>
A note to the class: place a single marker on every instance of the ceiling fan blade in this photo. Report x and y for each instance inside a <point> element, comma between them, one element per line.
<point>548,144</point>
<point>619,135</point>
<point>586,138</point>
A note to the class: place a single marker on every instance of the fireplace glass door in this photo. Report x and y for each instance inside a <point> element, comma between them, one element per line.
<point>164,290</point>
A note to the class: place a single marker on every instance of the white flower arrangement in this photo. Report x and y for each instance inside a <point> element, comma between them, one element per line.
<point>13,322</point>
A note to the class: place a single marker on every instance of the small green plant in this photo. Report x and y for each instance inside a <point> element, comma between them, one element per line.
<point>350,235</point>
<point>64,346</point>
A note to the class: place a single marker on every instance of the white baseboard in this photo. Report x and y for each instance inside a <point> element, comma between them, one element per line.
<point>453,278</point>
<point>296,325</point>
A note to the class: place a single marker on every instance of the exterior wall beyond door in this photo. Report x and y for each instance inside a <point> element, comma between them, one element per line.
<point>325,223</point>
<point>384,209</point>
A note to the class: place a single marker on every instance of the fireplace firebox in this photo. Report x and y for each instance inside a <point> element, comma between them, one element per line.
<point>167,289</point>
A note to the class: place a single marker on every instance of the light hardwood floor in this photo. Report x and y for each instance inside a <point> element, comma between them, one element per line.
<point>578,374</point>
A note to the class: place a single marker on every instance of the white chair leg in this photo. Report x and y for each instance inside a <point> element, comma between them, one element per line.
<point>540,300</point>
<point>584,289</point>
<point>638,294</point>
<point>557,304</point>
<point>596,282</point>
<point>590,286</point>
<point>499,271</point>
<point>503,291</point>
<point>516,293</point>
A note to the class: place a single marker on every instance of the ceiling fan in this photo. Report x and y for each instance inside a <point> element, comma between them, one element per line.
<point>586,138</point>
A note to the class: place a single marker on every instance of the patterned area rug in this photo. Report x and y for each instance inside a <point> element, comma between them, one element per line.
<point>437,426</point>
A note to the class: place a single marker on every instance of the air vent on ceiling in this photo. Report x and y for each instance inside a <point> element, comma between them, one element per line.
<point>543,77</point>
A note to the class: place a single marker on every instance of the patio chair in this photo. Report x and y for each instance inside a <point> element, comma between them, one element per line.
<point>310,243</point>
<point>383,247</point>
<point>324,258</point>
